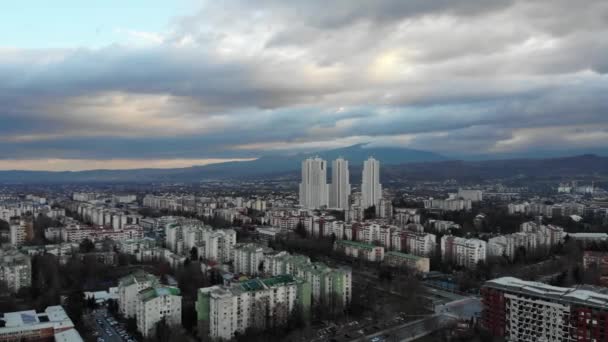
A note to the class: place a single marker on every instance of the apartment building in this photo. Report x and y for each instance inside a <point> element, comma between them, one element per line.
<point>328,284</point>
<point>526,311</point>
<point>223,311</point>
<point>158,303</point>
<point>30,325</point>
<point>248,259</point>
<point>361,250</point>
<point>409,261</point>
<point>128,289</point>
<point>463,252</point>
<point>15,269</point>
<point>416,243</point>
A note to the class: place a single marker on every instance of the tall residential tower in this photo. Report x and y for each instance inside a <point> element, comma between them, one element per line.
<point>339,190</point>
<point>371,189</point>
<point>314,191</point>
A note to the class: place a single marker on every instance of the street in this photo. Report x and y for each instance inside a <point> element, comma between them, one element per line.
<point>107,333</point>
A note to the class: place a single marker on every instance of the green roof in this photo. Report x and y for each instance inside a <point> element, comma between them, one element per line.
<point>139,276</point>
<point>252,285</point>
<point>279,280</point>
<point>355,244</point>
<point>259,284</point>
<point>158,291</point>
<point>403,255</point>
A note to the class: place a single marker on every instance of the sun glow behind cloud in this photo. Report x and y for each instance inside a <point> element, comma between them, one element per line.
<point>110,164</point>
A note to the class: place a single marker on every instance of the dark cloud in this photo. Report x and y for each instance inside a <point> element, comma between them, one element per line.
<point>440,75</point>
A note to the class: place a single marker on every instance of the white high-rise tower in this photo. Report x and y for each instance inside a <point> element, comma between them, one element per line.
<point>371,189</point>
<point>339,190</point>
<point>314,192</point>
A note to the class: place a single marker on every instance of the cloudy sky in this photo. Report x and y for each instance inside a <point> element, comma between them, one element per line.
<point>183,82</point>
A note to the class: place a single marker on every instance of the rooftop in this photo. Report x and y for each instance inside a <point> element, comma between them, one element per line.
<point>139,276</point>
<point>158,291</point>
<point>581,296</point>
<point>356,244</point>
<point>403,255</point>
<point>53,314</point>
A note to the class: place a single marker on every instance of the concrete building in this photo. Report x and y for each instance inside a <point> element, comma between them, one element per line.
<point>328,284</point>
<point>371,189</point>
<point>450,204</point>
<point>412,262</point>
<point>218,244</point>
<point>463,252</point>
<point>421,244</point>
<point>248,259</point>
<point>314,191</point>
<point>18,234</point>
<point>128,289</point>
<point>260,304</point>
<point>546,235</point>
<point>597,262</point>
<point>339,190</point>
<point>441,226</point>
<point>526,311</point>
<point>384,209</point>
<point>155,304</point>
<point>508,245</point>
<point>471,195</point>
<point>361,250</point>
<point>29,325</point>
<point>15,269</point>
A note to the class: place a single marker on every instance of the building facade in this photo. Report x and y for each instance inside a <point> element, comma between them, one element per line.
<point>223,311</point>
<point>314,191</point>
<point>463,252</point>
<point>128,289</point>
<point>339,190</point>
<point>15,269</point>
<point>371,189</point>
<point>526,311</point>
<point>155,304</point>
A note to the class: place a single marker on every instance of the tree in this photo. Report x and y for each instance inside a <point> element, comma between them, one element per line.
<point>194,253</point>
<point>301,230</point>
<point>86,246</point>
<point>370,213</point>
<point>112,305</point>
<point>75,304</point>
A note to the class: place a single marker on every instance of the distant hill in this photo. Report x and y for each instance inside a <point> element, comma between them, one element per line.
<point>583,165</point>
<point>396,163</point>
<point>264,166</point>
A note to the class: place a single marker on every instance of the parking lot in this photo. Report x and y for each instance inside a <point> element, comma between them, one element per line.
<point>108,329</point>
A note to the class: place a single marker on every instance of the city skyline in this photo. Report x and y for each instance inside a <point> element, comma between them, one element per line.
<point>315,192</point>
<point>177,83</point>
<point>306,170</point>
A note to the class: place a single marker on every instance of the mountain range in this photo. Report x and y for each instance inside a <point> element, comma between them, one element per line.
<point>396,163</point>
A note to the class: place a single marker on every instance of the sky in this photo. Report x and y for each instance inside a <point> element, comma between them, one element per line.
<point>128,84</point>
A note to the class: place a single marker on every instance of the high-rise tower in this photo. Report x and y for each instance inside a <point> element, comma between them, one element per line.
<point>371,189</point>
<point>339,190</point>
<point>313,188</point>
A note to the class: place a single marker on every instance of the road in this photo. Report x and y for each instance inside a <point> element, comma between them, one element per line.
<point>99,315</point>
<point>410,331</point>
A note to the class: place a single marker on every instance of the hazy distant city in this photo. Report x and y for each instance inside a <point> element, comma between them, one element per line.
<point>303,171</point>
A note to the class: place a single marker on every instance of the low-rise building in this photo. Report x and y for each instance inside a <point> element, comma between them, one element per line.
<point>412,262</point>
<point>361,250</point>
<point>29,325</point>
